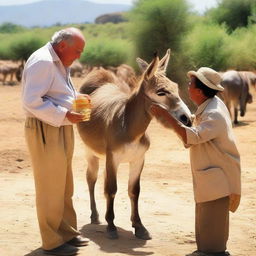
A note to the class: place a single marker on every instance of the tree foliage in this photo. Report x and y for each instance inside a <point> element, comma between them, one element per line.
<point>234,13</point>
<point>8,27</point>
<point>24,47</point>
<point>206,46</point>
<point>106,52</point>
<point>157,26</point>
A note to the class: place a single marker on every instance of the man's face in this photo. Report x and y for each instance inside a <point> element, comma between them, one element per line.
<point>193,91</point>
<point>69,53</point>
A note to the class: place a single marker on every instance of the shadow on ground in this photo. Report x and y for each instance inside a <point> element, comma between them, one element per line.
<point>127,243</point>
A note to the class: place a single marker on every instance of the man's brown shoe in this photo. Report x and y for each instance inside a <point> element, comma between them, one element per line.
<point>78,241</point>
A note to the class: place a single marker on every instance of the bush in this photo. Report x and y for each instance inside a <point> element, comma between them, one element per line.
<point>234,13</point>
<point>206,46</point>
<point>8,27</point>
<point>24,47</point>
<point>242,50</point>
<point>157,26</point>
<point>106,52</point>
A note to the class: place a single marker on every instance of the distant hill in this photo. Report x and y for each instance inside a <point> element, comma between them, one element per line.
<point>50,12</point>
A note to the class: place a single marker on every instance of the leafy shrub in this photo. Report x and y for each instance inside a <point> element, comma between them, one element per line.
<point>106,52</point>
<point>234,13</point>
<point>206,46</point>
<point>242,52</point>
<point>157,26</point>
<point>8,27</point>
<point>24,47</point>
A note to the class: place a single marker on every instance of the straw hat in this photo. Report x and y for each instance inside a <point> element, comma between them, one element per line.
<point>208,77</point>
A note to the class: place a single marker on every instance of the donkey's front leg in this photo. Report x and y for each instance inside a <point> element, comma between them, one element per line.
<point>110,189</point>
<point>91,177</point>
<point>134,192</point>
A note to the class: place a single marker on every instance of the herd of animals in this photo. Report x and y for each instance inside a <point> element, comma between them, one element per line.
<point>238,84</point>
<point>120,116</point>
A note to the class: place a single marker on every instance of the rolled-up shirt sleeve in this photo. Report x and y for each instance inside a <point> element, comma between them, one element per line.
<point>208,129</point>
<point>37,81</point>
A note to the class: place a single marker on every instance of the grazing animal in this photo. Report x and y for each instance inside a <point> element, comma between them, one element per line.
<point>11,69</point>
<point>117,131</point>
<point>76,69</point>
<point>236,93</point>
<point>250,77</point>
<point>126,76</point>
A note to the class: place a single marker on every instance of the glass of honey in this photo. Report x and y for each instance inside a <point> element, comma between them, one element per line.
<point>83,106</point>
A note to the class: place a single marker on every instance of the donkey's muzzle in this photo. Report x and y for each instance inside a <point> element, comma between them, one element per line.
<point>186,120</point>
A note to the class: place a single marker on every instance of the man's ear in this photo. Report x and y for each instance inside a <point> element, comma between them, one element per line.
<point>62,45</point>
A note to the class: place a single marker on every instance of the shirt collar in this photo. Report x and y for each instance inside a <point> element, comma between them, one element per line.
<point>54,55</point>
<point>202,107</point>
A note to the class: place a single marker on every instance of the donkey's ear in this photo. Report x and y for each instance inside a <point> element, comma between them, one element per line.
<point>163,63</point>
<point>142,64</point>
<point>152,68</point>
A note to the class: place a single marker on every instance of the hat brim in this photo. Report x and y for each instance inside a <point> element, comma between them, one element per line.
<point>205,81</point>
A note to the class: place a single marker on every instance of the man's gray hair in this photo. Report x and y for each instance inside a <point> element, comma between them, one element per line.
<point>62,35</point>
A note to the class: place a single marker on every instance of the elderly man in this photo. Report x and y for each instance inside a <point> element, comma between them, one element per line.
<point>47,98</point>
<point>215,162</point>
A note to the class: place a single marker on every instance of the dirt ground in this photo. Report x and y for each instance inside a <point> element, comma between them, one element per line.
<point>166,200</point>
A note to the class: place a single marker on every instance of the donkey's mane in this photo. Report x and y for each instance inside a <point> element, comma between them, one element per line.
<point>109,101</point>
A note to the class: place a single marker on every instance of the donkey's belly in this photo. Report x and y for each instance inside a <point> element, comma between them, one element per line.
<point>130,152</point>
<point>126,153</point>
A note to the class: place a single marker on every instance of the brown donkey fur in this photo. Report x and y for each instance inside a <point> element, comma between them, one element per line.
<point>117,129</point>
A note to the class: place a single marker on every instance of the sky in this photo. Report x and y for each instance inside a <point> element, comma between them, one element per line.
<point>199,5</point>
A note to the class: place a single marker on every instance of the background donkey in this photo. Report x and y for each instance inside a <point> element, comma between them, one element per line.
<point>236,93</point>
<point>117,131</point>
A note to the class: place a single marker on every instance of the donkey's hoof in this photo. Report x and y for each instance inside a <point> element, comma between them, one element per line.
<point>142,233</point>
<point>95,221</point>
<point>112,234</point>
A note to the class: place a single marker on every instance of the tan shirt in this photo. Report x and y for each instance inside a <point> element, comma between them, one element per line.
<point>215,160</point>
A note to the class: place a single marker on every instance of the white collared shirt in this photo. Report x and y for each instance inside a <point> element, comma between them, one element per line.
<point>47,92</point>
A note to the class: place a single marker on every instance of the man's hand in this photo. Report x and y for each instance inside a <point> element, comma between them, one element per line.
<point>74,117</point>
<point>86,96</point>
<point>161,112</point>
<point>234,201</point>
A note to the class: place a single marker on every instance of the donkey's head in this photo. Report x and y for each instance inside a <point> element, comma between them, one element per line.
<point>158,89</point>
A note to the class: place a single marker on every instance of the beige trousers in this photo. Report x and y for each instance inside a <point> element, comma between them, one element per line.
<point>51,150</point>
<point>212,225</point>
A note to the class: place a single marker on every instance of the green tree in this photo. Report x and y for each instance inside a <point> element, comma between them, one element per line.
<point>8,27</point>
<point>234,13</point>
<point>106,52</point>
<point>24,47</point>
<point>157,26</point>
<point>205,46</point>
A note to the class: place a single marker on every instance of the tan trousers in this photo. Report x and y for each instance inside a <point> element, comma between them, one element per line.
<point>212,225</point>
<point>51,150</point>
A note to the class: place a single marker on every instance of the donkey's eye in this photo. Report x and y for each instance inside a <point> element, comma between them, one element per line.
<point>162,92</point>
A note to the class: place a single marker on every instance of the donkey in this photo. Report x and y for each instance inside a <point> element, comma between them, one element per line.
<point>117,131</point>
<point>236,92</point>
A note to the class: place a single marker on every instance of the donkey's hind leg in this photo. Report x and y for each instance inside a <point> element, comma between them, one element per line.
<point>134,192</point>
<point>91,176</point>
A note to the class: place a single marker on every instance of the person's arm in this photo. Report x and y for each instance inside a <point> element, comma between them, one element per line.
<point>177,126</point>
<point>211,126</point>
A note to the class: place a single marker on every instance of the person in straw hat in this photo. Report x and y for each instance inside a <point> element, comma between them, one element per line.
<point>215,161</point>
